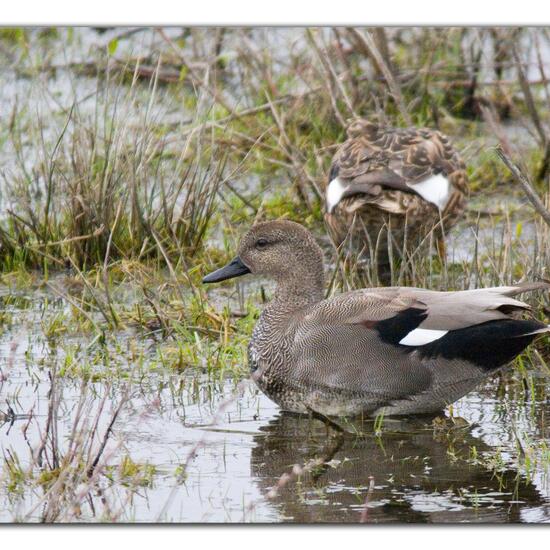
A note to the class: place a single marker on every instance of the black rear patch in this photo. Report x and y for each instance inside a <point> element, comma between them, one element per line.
<point>394,329</point>
<point>334,170</point>
<point>489,345</point>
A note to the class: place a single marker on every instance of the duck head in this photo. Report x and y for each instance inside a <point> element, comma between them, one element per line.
<point>280,249</point>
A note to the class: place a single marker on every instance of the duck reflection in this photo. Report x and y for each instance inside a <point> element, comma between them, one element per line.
<point>422,471</point>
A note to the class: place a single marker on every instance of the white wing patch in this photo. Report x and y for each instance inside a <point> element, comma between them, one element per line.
<point>422,336</point>
<point>335,190</point>
<point>436,190</point>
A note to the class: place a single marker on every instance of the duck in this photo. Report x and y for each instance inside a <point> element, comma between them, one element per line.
<point>390,350</point>
<point>410,180</point>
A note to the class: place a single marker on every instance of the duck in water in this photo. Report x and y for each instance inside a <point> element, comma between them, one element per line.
<point>391,351</point>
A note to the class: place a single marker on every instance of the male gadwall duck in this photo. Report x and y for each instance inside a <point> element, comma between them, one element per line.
<point>385,350</point>
<point>399,178</point>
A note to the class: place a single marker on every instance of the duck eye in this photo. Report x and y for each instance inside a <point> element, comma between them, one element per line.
<point>261,243</point>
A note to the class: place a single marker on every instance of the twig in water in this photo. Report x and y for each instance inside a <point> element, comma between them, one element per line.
<point>107,434</point>
<point>365,512</point>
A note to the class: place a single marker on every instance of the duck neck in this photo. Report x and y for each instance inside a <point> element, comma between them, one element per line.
<point>300,283</point>
<point>301,289</point>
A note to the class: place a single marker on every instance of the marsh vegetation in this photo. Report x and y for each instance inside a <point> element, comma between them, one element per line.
<point>133,159</point>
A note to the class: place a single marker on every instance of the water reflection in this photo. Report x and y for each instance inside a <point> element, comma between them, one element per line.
<point>420,474</point>
<point>232,462</point>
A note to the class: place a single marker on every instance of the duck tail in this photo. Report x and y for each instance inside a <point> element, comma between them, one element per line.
<point>542,330</point>
<point>527,287</point>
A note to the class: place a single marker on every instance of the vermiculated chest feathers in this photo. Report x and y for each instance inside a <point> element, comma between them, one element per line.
<point>270,359</point>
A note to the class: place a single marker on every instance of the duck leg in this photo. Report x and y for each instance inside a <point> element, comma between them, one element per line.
<point>328,422</point>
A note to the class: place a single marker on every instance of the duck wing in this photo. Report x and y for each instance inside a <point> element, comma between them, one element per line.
<point>397,343</point>
<point>337,347</point>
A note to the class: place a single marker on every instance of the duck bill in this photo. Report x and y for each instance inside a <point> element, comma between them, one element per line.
<point>235,268</point>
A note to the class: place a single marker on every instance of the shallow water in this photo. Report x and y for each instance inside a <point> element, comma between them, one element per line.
<point>412,471</point>
<point>489,465</point>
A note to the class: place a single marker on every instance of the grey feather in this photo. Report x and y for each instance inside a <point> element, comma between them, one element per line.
<point>344,355</point>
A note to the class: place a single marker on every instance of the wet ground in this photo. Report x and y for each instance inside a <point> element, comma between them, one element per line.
<point>196,445</point>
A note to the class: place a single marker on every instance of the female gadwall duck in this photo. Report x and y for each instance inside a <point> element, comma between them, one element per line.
<point>386,350</point>
<point>392,177</point>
